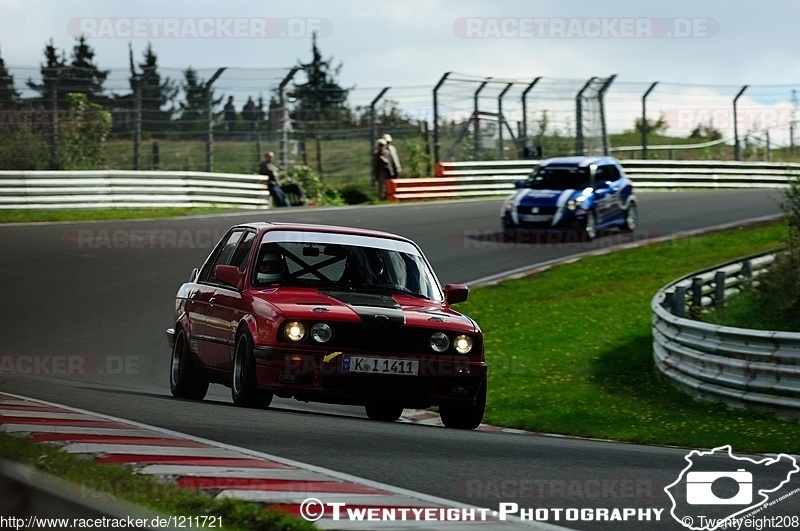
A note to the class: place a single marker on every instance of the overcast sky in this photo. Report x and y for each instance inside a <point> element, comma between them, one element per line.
<point>413,42</point>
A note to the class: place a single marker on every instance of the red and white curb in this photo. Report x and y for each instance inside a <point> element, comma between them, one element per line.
<point>221,470</point>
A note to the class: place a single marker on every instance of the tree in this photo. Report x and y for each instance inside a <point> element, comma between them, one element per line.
<point>657,127</point>
<point>54,67</point>
<point>80,76</point>
<point>9,96</point>
<point>706,132</point>
<point>194,108</point>
<point>155,94</point>
<point>83,76</point>
<point>320,98</point>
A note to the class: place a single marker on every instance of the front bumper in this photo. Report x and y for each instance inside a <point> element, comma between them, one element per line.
<point>319,377</point>
<point>573,220</point>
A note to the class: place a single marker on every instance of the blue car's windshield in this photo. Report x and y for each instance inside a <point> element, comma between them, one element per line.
<point>550,178</point>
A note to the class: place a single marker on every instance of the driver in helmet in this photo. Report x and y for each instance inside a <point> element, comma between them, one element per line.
<point>271,268</point>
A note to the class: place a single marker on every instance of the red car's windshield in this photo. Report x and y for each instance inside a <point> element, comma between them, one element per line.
<point>346,262</point>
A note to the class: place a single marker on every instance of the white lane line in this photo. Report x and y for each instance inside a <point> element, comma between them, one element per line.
<point>272,496</point>
<point>44,415</point>
<point>181,451</point>
<point>231,472</point>
<point>78,430</point>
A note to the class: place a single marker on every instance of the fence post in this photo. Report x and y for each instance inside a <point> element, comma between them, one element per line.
<point>477,118</point>
<point>644,119</point>
<point>736,152</point>
<point>719,289</point>
<point>697,292</point>
<point>525,147</point>
<point>747,269</point>
<point>284,142</point>
<point>579,118</point>
<point>679,303</point>
<point>210,118</point>
<point>601,94</point>
<point>139,81</point>
<point>501,120</point>
<point>436,144</point>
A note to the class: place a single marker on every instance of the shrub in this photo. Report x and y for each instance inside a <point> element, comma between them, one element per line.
<point>357,193</point>
<point>315,191</point>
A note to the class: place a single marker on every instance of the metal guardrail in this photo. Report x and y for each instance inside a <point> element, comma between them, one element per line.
<point>467,179</point>
<point>734,365</point>
<point>129,189</point>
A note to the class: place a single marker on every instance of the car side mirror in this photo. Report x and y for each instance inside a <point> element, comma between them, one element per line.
<point>194,274</point>
<point>518,184</point>
<point>455,293</point>
<point>230,276</point>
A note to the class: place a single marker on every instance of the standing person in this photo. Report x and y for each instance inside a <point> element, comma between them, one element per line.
<point>249,115</point>
<point>268,168</point>
<point>383,167</point>
<point>230,115</point>
<point>393,152</point>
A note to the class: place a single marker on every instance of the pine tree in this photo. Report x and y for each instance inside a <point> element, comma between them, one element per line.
<point>54,67</point>
<point>9,96</point>
<point>155,94</point>
<point>194,111</point>
<point>320,98</point>
<point>83,75</point>
<point>79,76</point>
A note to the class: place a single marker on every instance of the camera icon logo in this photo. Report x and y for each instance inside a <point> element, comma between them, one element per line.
<point>699,488</point>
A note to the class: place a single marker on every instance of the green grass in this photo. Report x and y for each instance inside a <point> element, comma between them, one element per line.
<point>570,350</point>
<point>93,481</point>
<point>26,216</point>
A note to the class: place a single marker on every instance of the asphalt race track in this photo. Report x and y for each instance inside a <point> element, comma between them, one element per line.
<point>97,297</point>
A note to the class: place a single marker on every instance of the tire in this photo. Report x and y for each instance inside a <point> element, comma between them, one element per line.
<point>462,416</point>
<point>631,217</point>
<point>589,231</point>
<point>185,381</point>
<point>384,412</point>
<point>244,387</point>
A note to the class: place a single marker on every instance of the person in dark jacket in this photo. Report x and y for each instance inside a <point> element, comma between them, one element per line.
<point>383,167</point>
<point>268,169</point>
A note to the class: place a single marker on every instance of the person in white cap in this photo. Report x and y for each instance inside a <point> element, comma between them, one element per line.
<point>393,152</point>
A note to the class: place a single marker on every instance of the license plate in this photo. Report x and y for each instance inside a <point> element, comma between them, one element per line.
<point>535,218</point>
<point>367,365</point>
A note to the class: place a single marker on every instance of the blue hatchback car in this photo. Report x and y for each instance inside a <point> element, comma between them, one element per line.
<point>583,194</point>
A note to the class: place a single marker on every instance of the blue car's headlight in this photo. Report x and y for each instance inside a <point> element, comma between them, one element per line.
<point>571,204</point>
<point>509,204</point>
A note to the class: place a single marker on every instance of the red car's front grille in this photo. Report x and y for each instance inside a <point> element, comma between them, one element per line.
<point>377,338</point>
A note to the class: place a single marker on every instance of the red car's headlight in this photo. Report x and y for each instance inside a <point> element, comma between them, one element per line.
<point>294,331</point>
<point>463,344</point>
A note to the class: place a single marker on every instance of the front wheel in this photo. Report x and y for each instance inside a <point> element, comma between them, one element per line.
<point>631,218</point>
<point>462,416</point>
<point>185,381</point>
<point>383,412</point>
<point>244,386</point>
<point>590,227</point>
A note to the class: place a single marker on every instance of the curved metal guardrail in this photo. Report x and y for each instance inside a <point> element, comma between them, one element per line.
<point>484,178</point>
<point>129,189</point>
<point>734,365</point>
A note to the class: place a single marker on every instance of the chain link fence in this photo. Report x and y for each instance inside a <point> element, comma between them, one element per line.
<point>225,119</point>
